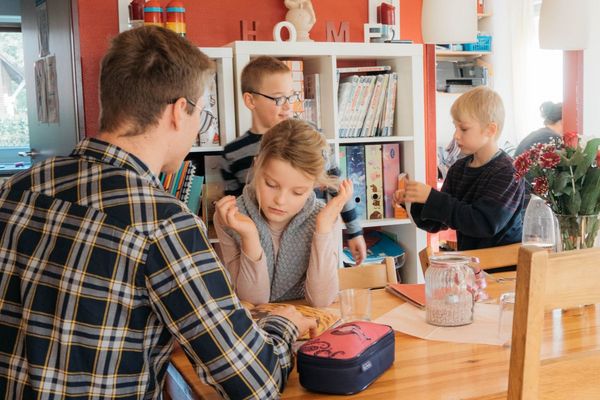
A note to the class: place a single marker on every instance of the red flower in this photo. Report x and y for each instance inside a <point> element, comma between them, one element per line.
<point>540,185</point>
<point>522,164</point>
<point>598,159</point>
<point>571,139</point>
<point>549,160</point>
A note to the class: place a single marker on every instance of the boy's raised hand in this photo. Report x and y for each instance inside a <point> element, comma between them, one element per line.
<point>331,211</point>
<point>415,192</point>
<point>230,216</point>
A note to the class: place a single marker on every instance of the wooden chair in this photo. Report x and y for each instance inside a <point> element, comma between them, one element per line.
<point>368,276</point>
<point>547,281</point>
<point>490,257</point>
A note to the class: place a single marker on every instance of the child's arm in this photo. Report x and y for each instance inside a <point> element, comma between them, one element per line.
<point>232,187</point>
<point>483,218</point>
<point>321,284</point>
<point>247,264</point>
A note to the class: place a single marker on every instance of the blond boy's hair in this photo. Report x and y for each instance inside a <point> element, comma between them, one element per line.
<point>296,142</point>
<point>481,103</point>
<point>255,71</point>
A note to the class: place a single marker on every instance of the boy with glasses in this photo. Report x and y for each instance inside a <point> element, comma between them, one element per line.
<point>267,90</point>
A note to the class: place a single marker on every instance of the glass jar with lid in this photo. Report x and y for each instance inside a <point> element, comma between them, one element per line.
<point>450,290</point>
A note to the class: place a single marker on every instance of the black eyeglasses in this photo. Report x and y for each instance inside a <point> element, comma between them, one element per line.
<point>279,101</point>
<point>191,103</point>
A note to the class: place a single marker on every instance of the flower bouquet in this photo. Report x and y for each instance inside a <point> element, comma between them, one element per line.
<point>566,175</point>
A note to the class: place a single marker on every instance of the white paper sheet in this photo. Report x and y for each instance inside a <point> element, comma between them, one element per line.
<point>408,319</point>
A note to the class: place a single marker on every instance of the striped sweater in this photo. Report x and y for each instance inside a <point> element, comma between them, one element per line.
<point>236,167</point>
<point>482,204</point>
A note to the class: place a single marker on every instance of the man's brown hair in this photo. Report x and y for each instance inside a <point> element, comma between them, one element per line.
<point>254,72</point>
<point>144,70</point>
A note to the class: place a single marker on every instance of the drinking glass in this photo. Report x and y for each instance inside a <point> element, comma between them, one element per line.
<point>355,305</point>
<point>505,317</point>
<point>539,226</point>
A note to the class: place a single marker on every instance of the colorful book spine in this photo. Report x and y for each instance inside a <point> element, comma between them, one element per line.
<point>355,161</point>
<point>297,68</point>
<point>391,160</point>
<point>374,181</point>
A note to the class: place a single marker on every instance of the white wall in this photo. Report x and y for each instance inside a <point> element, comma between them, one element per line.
<point>591,77</point>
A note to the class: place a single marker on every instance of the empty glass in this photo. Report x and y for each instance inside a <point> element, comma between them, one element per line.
<point>355,305</point>
<point>505,318</point>
<point>539,225</point>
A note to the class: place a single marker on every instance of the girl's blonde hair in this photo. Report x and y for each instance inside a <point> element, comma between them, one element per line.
<point>297,143</point>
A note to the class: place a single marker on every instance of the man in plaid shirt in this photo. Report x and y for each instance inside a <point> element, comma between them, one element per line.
<point>100,269</point>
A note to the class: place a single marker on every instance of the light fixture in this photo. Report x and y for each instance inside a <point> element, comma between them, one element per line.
<point>449,21</point>
<point>564,24</point>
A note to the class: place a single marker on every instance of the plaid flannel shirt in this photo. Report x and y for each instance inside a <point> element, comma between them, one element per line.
<point>100,270</point>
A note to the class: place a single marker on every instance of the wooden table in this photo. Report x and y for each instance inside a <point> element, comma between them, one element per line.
<point>432,370</point>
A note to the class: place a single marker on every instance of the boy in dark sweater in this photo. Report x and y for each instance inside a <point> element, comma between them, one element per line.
<point>267,90</point>
<point>480,198</point>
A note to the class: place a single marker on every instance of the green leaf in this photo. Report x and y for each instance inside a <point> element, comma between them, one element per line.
<point>590,192</point>
<point>591,149</point>
<point>561,182</point>
<point>574,203</point>
<point>581,164</point>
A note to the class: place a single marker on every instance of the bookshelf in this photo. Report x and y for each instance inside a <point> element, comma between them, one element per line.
<point>323,58</point>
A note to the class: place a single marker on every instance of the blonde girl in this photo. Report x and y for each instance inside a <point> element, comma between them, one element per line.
<point>279,242</point>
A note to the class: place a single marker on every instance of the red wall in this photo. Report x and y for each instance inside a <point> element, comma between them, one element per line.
<point>215,23</point>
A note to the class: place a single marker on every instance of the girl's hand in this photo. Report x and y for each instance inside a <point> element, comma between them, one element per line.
<point>229,216</point>
<point>331,211</point>
<point>416,192</point>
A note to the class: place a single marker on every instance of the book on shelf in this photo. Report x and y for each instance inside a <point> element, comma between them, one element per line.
<point>374,171</point>
<point>195,194</point>
<point>179,183</point>
<point>391,160</point>
<point>374,181</point>
<point>379,246</point>
<point>297,68</point>
<point>413,293</point>
<point>355,168</point>
<point>312,100</point>
<point>325,318</point>
<point>209,135</point>
<point>366,105</point>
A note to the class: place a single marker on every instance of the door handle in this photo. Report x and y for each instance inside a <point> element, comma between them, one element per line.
<point>30,153</point>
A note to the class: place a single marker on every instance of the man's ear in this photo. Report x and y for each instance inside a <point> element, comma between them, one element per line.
<point>248,100</point>
<point>177,112</point>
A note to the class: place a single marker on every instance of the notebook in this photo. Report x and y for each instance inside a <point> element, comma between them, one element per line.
<point>414,293</point>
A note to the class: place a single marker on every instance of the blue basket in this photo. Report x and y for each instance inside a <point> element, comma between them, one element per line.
<point>484,43</point>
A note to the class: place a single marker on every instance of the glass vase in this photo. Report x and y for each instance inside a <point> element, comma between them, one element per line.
<point>578,231</point>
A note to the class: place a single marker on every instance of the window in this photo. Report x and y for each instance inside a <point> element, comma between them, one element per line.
<point>14,131</point>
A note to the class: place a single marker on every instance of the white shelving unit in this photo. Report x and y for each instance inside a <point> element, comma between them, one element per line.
<point>409,130</point>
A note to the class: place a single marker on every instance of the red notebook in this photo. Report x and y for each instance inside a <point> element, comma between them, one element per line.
<point>414,293</point>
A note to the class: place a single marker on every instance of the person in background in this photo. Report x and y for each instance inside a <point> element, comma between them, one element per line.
<point>279,241</point>
<point>553,128</point>
<point>102,270</point>
<point>480,198</point>
<point>267,89</point>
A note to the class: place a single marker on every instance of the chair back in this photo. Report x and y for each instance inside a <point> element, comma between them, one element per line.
<point>547,281</point>
<point>368,276</point>
<point>490,257</point>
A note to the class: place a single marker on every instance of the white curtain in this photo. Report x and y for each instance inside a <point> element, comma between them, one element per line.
<point>525,76</point>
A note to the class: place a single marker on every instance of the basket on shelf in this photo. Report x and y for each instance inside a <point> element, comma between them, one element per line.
<point>484,43</point>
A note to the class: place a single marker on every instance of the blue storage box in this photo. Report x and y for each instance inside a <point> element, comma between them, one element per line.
<point>484,43</point>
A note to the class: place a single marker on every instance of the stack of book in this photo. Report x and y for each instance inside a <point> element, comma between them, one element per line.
<point>366,103</point>
<point>184,185</point>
